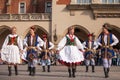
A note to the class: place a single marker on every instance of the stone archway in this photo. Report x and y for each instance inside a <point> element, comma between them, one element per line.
<point>39,31</point>
<point>81,32</point>
<point>4,31</point>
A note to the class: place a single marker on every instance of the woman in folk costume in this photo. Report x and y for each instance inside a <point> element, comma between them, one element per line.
<point>11,50</point>
<point>32,43</point>
<point>90,46</point>
<point>45,54</point>
<point>70,51</point>
<point>107,40</point>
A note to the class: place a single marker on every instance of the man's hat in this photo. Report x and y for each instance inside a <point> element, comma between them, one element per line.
<point>90,35</point>
<point>44,36</point>
<point>107,26</point>
<point>33,28</point>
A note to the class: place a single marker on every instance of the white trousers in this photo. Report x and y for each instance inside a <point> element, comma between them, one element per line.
<point>107,63</point>
<point>88,62</point>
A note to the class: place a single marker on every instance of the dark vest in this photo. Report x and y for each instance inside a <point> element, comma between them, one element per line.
<point>109,39</point>
<point>87,44</point>
<point>34,42</point>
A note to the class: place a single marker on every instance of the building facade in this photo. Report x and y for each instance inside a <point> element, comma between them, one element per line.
<point>53,17</point>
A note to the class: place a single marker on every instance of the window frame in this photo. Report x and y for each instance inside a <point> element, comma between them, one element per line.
<point>107,2</point>
<point>20,7</point>
<point>81,2</point>
<point>46,7</point>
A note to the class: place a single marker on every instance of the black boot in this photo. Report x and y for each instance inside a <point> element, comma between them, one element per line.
<point>16,71</point>
<point>9,69</point>
<point>33,70</point>
<point>93,68</point>
<point>30,70</point>
<point>86,68</point>
<point>108,69</point>
<point>48,68</point>
<point>105,72</point>
<point>69,71</point>
<point>43,68</point>
<point>73,72</point>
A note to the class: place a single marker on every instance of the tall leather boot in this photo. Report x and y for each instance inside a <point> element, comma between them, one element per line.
<point>30,70</point>
<point>108,69</point>
<point>69,71</point>
<point>33,70</point>
<point>16,71</point>
<point>93,68</point>
<point>73,72</point>
<point>105,72</point>
<point>43,68</point>
<point>86,68</point>
<point>48,68</point>
<point>9,70</point>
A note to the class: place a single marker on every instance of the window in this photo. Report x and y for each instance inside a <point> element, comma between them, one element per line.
<point>110,1</point>
<point>104,1</point>
<point>83,1</point>
<point>48,6</point>
<point>117,1</point>
<point>22,8</point>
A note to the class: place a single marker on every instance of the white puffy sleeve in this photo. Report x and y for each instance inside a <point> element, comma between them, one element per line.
<point>98,41</point>
<point>79,44</point>
<point>20,43</point>
<point>5,42</point>
<point>95,45</point>
<point>40,43</point>
<point>51,45</point>
<point>25,41</point>
<point>115,40</point>
<point>61,43</point>
<point>84,44</point>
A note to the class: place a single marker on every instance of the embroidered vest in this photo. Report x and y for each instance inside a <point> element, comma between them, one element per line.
<point>88,45</point>
<point>109,39</point>
<point>70,41</point>
<point>34,42</point>
<point>12,40</point>
<point>47,45</point>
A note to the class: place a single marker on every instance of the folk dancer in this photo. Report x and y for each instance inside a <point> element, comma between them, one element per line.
<point>32,43</point>
<point>11,50</point>
<point>107,40</point>
<point>70,51</point>
<point>90,46</point>
<point>45,54</point>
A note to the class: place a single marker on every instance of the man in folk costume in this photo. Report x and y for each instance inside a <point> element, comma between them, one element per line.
<point>70,51</point>
<point>11,50</point>
<point>45,54</point>
<point>107,40</point>
<point>90,47</point>
<point>32,43</point>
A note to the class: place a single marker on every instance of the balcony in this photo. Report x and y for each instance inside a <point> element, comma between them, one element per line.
<point>106,10</point>
<point>100,10</point>
<point>79,4</point>
<point>26,17</point>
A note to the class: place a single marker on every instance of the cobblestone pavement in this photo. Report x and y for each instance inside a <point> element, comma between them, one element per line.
<point>59,73</point>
